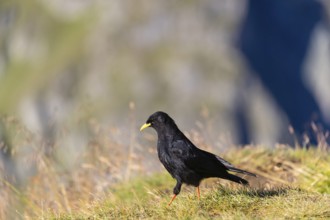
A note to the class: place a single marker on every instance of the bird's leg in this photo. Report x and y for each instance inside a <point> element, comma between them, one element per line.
<point>176,191</point>
<point>198,193</point>
<point>172,200</point>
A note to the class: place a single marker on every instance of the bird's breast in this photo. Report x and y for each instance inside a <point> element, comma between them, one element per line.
<point>164,156</point>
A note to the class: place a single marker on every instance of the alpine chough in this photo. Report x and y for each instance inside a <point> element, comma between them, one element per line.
<point>183,160</point>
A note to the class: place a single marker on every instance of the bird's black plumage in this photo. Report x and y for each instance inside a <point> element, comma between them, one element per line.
<point>183,160</point>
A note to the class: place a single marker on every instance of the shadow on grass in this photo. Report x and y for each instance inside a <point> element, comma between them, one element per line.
<point>261,193</point>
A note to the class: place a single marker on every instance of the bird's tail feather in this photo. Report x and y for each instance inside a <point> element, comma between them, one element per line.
<point>237,179</point>
<point>234,169</point>
<point>231,167</point>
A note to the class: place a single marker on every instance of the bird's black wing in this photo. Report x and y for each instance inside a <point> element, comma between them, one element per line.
<point>202,161</point>
<point>196,159</point>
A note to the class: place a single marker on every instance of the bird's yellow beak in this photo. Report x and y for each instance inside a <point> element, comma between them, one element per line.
<point>145,126</point>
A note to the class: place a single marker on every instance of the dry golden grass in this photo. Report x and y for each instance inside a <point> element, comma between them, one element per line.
<point>113,177</point>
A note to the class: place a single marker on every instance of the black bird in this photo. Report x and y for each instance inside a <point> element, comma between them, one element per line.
<point>183,160</point>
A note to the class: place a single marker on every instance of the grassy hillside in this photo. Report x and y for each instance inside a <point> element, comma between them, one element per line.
<point>291,184</point>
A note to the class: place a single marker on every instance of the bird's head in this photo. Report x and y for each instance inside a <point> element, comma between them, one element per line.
<point>159,121</point>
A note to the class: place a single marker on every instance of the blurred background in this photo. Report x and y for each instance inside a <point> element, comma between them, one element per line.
<point>78,78</point>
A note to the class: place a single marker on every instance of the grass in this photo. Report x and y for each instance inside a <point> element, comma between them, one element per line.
<point>147,199</point>
<point>104,181</point>
<point>296,186</point>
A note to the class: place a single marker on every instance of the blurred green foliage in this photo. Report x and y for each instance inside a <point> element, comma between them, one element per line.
<point>160,55</point>
<point>61,42</point>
